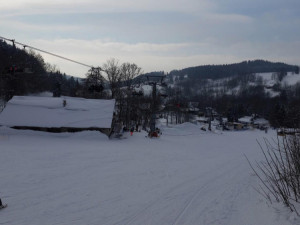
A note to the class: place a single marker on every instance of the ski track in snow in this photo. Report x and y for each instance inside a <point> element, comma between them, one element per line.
<point>189,199</point>
<point>84,178</point>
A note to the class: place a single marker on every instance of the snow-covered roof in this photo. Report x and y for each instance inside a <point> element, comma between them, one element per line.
<point>261,121</point>
<point>245,119</point>
<point>49,112</point>
<point>201,118</point>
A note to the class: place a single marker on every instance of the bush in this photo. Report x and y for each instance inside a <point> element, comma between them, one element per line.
<point>280,172</point>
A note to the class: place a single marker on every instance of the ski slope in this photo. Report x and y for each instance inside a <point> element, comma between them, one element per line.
<point>187,176</point>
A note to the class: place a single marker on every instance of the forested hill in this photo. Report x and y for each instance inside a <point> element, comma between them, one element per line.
<point>25,72</point>
<point>13,58</point>
<point>223,71</point>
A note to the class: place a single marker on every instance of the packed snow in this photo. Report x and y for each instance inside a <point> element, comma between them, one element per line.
<point>187,176</point>
<point>50,112</point>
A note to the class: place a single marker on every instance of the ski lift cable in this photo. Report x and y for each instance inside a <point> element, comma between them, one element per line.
<point>46,52</point>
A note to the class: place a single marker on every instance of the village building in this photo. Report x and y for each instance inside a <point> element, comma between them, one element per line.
<point>258,123</point>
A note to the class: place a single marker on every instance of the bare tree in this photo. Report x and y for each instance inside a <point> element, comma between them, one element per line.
<point>112,69</point>
<point>51,68</point>
<point>129,71</point>
<point>280,172</point>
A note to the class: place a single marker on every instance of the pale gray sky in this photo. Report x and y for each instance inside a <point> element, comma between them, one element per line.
<point>155,34</point>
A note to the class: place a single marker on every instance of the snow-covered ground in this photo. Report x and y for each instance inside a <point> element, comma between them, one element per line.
<point>291,79</point>
<point>269,78</point>
<point>187,176</point>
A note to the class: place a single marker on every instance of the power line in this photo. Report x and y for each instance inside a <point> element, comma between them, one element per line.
<point>46,52</point>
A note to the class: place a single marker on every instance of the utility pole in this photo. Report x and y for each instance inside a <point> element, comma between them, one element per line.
<point>154,80</point>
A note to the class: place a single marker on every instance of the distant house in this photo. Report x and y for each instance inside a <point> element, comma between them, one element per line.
<point>235,126</point>
<point>260,123</point>
<point>63,114</point>
<point>247,121</point>
<point>193,107</point>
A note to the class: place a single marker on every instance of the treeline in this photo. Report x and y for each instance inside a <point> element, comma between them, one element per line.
<point>24,72</point>
<point>228,70</point>
<point>17,74</point>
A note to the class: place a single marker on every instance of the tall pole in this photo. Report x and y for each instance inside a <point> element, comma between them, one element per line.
<point>153,115</point>
<point>154,80</point>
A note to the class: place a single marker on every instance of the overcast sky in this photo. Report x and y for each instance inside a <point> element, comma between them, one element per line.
<point>155,34</point>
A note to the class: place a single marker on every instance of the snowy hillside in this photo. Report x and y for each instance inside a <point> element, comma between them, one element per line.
<point>185,177</point>
<point>235,85</point>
